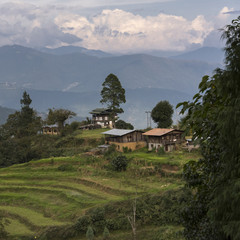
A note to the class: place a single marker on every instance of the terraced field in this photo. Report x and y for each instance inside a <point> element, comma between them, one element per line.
<point>57,191</point>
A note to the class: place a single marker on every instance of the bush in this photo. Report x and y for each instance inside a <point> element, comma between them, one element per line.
<point>106,234</point>
<point>82,224</point>
<point>161,151</point>
<point>126,149</point>
<point>119,163</point>
<point>90,233</point>
<point>65,167</point>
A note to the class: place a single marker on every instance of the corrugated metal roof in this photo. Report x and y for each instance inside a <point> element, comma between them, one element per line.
<point>118,132</point>
<point>158,131</point>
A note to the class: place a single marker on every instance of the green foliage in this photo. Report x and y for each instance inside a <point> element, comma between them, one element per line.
<point>82,224</point>
<point>90,233</point>
<point>126,149</point>
<point>59,116</point>
<point>120,124</point>
<point>65,167</point>
<point>106,234</point>
<point>212,211</point>
<point>169,233</point>
<point>17,133</point>
<point>119,163</point>
<point>113,94</point>
<point>24,123</point>
<point>160,151</point>
<point>3,233</point>
<point>162,114</point>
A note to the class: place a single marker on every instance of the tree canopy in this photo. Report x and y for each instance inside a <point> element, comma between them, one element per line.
<point>120,124</point>
<point>162,114</point>
<point>212,212</point>
<point>17,133</point>
<point>59,116</point>
<point>22,123</point>
<point>113,94</point>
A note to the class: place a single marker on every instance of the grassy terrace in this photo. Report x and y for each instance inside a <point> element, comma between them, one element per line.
<point>92,134</point>
<point>57,191</point>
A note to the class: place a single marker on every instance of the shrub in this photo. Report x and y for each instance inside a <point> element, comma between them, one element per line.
<point>90,233</point>
<point>126,149</point>
<point>161,151</point>
<point>65,167</point>
<point>106,234</point>
<point>82,224</point>
<point>119,163</point>
<point>111,150</point>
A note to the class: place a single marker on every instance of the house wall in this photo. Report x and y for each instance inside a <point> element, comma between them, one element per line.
<point>103,120</point>
<point>50,131</point>
<point>168,141</point>
<point>130,145</point>
<point>167,147</point>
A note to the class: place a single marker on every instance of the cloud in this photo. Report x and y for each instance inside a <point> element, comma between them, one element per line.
<point>110,30</point>
<point>72,85</point>
<point>118,30</point>
<point>222,19</point>
<point>29,25</point>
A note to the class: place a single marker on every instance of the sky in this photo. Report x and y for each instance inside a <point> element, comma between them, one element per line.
<point>130,26</point>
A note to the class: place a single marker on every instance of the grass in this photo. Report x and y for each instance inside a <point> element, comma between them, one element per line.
<point>34,217</point>
<point>15,228</point>
<point>92,134</point>
<point>39,194</point>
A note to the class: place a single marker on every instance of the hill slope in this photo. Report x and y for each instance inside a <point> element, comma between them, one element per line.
<point>58,191</point>
<point>204,54</point>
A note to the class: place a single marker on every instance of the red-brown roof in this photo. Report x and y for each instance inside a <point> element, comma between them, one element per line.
<point>158,131</point>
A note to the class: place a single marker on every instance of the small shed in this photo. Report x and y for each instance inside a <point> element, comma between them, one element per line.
<point>124,138</point>
<point>163,137</point>
<point>51,130</point>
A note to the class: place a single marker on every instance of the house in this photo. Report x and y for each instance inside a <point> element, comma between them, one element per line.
<point>123,138</point>
<point>51,130</point>
<point>163,137</point>
<point>101,116</point>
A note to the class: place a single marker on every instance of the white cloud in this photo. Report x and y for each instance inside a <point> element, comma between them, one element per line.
<point>29,25</point>
<point>111,30</point>
<point>118,30</point>
<point>223,16</point>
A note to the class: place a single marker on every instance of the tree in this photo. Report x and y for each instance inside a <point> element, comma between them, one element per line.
<point>17,134</point>
<point>23,123</point>
<point>213,211</point>
<point>162,114</point>
<point>113,94</point>
<point>59,116</point>
<point>120,124</point>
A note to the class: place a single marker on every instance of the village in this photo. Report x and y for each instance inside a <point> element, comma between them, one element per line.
<point>126,139</point>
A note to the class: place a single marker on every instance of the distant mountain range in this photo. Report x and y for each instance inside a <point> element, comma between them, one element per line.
<point>72,49</point>
<point>22,67</point>
<point>72,77</point>
<point>204,54</point>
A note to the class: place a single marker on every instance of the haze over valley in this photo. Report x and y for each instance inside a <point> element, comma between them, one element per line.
<point>71,77</point>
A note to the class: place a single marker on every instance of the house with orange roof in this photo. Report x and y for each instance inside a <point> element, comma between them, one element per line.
<point>163,138</point>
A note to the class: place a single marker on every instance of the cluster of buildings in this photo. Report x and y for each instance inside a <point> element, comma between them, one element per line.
<point>156,138</point>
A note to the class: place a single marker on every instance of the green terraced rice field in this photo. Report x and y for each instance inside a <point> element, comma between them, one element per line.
<point>38,194</point>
